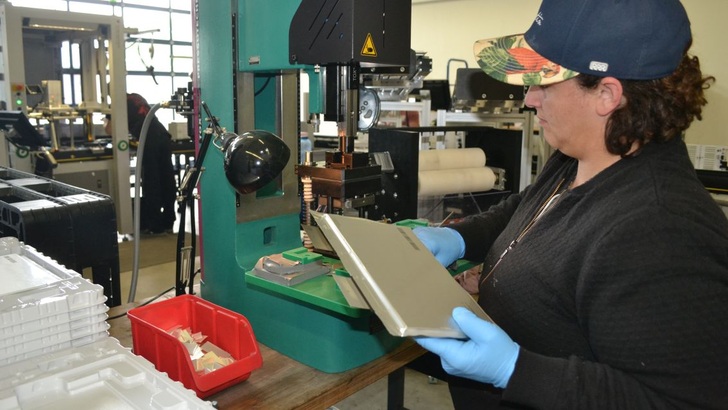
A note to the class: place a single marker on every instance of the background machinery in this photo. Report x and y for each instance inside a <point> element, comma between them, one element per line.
<point>68,105</point>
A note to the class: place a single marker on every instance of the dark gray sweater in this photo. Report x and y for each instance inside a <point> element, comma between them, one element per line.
<point>618,295</point>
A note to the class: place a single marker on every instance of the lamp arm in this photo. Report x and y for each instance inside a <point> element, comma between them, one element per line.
<point>186,255</point>
<point>193,174</point>
<point>186,197</point>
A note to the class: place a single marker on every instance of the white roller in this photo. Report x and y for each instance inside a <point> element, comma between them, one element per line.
<point>455,181</point>
<point>439,159</point>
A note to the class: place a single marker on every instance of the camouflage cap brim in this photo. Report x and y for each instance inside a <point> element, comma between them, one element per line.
<point>511,60</point>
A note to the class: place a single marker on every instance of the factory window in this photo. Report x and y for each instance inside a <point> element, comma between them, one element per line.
<point>158,49</point>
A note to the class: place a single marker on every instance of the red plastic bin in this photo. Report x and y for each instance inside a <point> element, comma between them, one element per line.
<point>228,330</point>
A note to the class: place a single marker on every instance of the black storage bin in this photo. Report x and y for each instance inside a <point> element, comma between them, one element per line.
<point>74,226</point>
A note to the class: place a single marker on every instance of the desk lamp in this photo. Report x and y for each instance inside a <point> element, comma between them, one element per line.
<point>251,161</point>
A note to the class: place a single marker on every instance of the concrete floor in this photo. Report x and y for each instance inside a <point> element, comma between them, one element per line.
<point>156,275</point>
<point>419,394</point>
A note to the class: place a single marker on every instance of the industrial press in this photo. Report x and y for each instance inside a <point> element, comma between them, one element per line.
<point>256,86</point>
<point>354,54</point>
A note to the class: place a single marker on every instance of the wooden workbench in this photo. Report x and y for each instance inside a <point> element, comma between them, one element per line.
<point>283,383</point>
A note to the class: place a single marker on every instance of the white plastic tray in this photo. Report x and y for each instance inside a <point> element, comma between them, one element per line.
<point>34,286</point>
<point>70,319</point>
<point>73,329</point>
<point>82,341</point>
<point>59,297</point>
<point>101,375</point>
<point>57,334</point>
<point>22,267</point>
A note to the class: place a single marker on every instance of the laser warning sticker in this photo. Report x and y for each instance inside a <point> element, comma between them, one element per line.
<point>368,48</point>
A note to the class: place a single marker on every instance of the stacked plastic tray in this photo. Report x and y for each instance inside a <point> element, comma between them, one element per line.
<point>55,349</point>
<point>45,307</point>
<point>100,375</point>
<point>74,226</point>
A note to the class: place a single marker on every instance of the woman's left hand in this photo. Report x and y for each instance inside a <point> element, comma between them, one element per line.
<point>489,355</point>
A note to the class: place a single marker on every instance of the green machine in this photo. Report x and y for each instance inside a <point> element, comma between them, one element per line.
<point>250,55</point>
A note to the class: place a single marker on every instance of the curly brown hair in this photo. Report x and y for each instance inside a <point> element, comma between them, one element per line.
<point>655,110</point>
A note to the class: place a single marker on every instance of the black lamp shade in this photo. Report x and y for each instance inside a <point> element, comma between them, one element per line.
<point>254,159</point>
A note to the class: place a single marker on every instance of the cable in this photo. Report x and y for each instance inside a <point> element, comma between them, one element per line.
<point>133,44</point>
<point>137,200</point>
<point>470,195</point>
<point>150,68</point>
<point>475,202</point>
<point>262,87</point>
<point>433,208</point>
<point>143,304</point>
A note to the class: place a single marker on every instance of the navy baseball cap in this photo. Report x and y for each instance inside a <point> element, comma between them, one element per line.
<point>625,39</point>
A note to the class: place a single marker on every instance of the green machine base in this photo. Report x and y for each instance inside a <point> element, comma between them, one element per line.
<point>310,322</point>
<point>325,340</point>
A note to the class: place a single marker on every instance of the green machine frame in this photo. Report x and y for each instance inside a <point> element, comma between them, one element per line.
<point>248,83</point>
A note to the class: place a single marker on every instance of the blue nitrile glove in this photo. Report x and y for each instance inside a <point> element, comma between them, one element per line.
<point>445,243</point>
<point>488,356</point>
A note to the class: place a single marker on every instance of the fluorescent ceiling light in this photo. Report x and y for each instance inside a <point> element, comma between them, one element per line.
<point>48,24</point>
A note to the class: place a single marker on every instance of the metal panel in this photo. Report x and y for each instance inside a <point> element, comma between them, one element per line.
<point>408,289</point>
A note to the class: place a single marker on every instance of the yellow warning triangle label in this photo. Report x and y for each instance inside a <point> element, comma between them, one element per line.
<point>368,48</point>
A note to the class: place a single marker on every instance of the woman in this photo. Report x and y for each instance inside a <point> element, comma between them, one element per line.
<point>159,187</point>
<point>607,278</point>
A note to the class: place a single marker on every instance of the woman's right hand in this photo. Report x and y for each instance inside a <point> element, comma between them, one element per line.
<point>445,243</point>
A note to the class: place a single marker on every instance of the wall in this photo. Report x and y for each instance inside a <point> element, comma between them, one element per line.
<point>447,29</point>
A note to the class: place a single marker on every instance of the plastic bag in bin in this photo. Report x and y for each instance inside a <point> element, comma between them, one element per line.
<point>226,329</point>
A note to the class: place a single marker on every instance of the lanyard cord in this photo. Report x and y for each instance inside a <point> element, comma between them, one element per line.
<point>541,210</point>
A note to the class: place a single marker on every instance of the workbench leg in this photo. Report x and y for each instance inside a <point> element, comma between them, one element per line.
<point>395,390</point>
